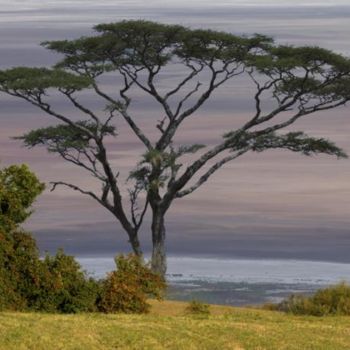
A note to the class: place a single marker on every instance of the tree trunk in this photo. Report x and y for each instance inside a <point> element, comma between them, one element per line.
<point>132,234</point>
<point>135,244</point>
<point>158,262</point>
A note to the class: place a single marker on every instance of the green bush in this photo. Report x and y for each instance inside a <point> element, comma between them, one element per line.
<point>64,287</point>
<point>19,269</point>
<point>55,284</point>
<point>126,289</point>
<point>334,300</point>
<point>8,299</point>
<point>199,308</point>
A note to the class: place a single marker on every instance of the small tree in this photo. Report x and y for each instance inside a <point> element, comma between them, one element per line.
<point>294,81</point>
<point>19,188</point>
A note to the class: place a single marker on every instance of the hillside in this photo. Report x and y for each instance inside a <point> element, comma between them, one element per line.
<point>166,327</point>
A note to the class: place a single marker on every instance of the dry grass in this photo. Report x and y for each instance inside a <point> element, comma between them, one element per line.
<point>166,327</point>
<point>177,308</point>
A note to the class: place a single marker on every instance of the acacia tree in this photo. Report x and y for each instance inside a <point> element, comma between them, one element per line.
<point>289,83</point>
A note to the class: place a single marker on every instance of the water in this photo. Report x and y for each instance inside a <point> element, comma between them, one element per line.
<point>237,281</point>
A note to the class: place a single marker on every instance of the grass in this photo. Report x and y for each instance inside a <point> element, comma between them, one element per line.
<point>167,327</point>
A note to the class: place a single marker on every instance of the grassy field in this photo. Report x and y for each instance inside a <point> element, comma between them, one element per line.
<point>167,327</point>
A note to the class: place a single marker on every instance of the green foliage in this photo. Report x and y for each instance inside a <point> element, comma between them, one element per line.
<point>210,45</point>
<point>198,308</point>
<point>19,188</point>
<point>298,142</point>
<point>136,43</point>
<point>334,300</point>
<point>65,288</point>
<point>284,58</point>
<point>16,260</point>
<point>63,137</point>
<point>301,71</point>
<point>149,44</point>
<point>126,289</point>
<point>38,79</point>
<point>293,141</point>
<point>55,284</point>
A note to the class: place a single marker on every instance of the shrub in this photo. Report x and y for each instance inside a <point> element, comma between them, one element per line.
<point>19,269</point>
<point>55,284</point>
<point>334,300</point>
<point>126,289</point>
<point>199,308</point>
<point>64,287</point>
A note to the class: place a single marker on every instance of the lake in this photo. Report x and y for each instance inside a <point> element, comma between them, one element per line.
<point>237,281</point>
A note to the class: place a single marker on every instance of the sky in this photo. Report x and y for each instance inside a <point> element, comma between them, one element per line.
<point>276,204</point>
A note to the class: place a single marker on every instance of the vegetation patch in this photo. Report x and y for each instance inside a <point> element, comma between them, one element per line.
<point>126,289</point>
<point>198,308</point>
<point>334,300</point>
<point>54,284</point>
<point>57,283</point>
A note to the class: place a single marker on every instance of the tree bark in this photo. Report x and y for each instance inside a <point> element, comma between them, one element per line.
<point>135,244</point>
<point>158,262</point>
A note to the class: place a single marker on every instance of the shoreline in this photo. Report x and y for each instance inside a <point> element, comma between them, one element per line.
<point>237,282</point>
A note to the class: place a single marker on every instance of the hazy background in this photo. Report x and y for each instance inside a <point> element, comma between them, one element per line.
<point>271,205</point>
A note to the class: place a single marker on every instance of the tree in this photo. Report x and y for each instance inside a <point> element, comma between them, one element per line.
<point>289,83</point>
<point>19,188</point>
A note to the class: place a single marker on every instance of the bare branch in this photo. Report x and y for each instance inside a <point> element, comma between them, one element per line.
<point>142,214</point>
<point>191,170</point>
<point>160,125</point>
<point>151,89</point>
<point>79,106</point>
<point>180,104</point>
<point>85,192</point>
<point>77,161</point>
<point>210,172</point>
<point>195,71</point>
<point>136,216</point>
<point>37,102</point>
<point>126,116</point>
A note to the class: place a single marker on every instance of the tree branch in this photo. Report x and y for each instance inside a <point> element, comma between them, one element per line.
<point>88,193</point>
<point>48,109</point>
<point>185,80</point>
<point>210,172</point>
<point>126,116</point>
<point>300,114</point>
<point>79,106</point>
